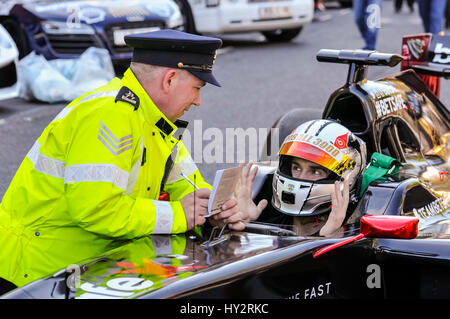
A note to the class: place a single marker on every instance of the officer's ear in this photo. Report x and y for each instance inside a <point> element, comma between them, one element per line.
<point>168,79</point>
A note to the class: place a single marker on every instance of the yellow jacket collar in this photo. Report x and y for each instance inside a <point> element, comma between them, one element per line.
<point>151,113</point>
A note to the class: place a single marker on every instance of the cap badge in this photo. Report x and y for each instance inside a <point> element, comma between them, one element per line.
<point>214,58</point>
<point>203,67</point>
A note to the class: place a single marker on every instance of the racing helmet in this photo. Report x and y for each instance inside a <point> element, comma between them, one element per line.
<point>328,144</point>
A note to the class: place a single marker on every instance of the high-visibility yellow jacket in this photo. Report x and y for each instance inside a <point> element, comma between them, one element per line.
<point>94,176</point>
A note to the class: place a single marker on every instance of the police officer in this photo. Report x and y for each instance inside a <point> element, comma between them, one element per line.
<point>108,166</point>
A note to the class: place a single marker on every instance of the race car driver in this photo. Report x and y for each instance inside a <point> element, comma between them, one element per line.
<point>314,186</point>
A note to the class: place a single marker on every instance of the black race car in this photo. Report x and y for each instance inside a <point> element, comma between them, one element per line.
<point>396,243</point>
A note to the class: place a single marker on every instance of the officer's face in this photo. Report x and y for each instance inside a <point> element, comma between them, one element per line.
<point>184,92</point>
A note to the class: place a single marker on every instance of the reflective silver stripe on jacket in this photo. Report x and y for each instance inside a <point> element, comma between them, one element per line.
<point>164,217</point>
<point>77,173</point>
<point>92,96</point>
<point>96,173</point>
<point>45,164</point>
<point>187,166</point>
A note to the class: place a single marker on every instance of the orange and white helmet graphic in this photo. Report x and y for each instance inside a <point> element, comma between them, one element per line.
<point>328,144</point>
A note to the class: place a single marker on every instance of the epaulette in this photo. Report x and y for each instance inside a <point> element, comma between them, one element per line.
<point>126,95</point>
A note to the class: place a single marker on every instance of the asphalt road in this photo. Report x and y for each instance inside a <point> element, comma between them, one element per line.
<point>260,81</point>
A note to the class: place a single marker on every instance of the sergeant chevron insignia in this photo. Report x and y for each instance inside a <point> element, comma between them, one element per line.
<point>112,143</point>
<point>126,95</point>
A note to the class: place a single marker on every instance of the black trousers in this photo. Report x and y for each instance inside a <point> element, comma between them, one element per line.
<point>398,4</point>
<point>6,286</point>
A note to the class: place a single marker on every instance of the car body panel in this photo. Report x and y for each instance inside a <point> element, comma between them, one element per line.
<point>248,265</point>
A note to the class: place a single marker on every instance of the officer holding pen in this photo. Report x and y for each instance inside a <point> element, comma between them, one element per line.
<point>101,169</point>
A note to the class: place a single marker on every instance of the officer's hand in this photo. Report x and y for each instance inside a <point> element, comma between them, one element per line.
<point>247,209</point>
<point>227,214</point>
<point>200,209</point>
<point>339,201</point>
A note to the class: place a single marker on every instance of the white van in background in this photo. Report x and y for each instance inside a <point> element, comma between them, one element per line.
<point>277,20</point>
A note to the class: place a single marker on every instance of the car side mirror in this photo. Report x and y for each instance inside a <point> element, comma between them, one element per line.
<point>380,226</point>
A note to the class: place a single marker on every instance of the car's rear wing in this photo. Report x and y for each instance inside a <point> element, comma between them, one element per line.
<point>358,61</point>
<point>363,57</point>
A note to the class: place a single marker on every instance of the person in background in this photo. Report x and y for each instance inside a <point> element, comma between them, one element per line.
<point>398,5</point>
<point>367,15</point>
<point>432,14</point>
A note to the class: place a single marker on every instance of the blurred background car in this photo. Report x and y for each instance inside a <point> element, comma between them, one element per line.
<point>342,3</point>
<point>9,59</point>
<point>65,29</point>
<point>277,20</point>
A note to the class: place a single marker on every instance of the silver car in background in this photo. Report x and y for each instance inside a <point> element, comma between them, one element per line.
<point>9,60</point>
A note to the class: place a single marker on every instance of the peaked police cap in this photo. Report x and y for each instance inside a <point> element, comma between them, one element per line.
<point>176,49</point>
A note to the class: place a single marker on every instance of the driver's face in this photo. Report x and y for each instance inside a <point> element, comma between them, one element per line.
<point>306,170</point>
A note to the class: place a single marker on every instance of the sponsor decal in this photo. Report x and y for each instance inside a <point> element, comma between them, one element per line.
<point>316,141</point>
<point>441,54</point>
<point>120,287</point>
<point>437,207</point>
<point>341,141</point>
<point>387,101</point>
<point>416,47</point>
<point>374,279</point>
<point>390,104</point>
<point>314,292</point>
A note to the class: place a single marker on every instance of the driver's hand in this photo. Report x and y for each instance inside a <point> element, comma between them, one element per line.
<point>339,201</point>
<point>247,209</point>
